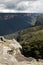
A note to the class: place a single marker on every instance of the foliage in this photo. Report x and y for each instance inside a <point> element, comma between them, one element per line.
<point>31,40</point>
<point>33,49</point>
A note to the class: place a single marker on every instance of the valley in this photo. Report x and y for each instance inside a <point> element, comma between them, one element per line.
<point>21,38</point>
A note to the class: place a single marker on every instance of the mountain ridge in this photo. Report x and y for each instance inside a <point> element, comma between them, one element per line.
<point>11,23</point>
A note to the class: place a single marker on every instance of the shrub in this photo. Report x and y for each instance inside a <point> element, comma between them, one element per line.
<point>33,49</point>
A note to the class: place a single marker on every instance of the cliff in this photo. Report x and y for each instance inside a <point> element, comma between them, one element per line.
<point>10,54</point>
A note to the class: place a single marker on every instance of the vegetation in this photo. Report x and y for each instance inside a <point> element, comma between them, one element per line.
<point>31,40</point>
<point>33,48</point>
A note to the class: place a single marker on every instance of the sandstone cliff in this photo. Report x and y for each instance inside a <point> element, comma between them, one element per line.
<point>10,54</point>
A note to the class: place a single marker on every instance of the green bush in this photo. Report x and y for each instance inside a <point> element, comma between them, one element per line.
<point>33,49</point>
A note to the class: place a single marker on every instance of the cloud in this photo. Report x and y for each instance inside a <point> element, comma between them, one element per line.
<point>32,6</point>
<point>2,6</point>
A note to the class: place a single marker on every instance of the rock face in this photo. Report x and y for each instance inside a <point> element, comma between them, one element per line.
<point>10,54</point>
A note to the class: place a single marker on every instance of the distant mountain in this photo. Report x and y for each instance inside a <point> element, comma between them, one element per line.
<point>13,22</point>
<point>39,20</point>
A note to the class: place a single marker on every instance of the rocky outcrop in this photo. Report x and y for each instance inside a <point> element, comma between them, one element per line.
<point>10,54</point>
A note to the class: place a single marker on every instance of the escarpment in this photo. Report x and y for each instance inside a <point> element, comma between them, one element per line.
<point>10,54</point>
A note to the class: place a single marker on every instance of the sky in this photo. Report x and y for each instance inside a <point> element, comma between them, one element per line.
<point>22,6</point>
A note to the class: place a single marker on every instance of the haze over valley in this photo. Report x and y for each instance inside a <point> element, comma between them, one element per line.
<point>13,22</point>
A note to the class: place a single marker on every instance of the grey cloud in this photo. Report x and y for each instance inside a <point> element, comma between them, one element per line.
<point>10,6</point>
<point>14,4</point>
<point>22,5</point>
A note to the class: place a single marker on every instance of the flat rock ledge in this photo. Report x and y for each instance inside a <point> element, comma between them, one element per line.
<point>10,54</point>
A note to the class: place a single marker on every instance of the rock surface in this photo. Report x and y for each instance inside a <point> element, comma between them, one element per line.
<point>10,54</point>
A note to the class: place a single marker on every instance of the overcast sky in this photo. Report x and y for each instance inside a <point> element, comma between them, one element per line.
<point>31,6</point>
